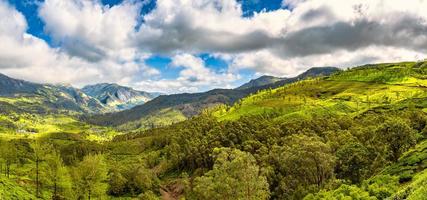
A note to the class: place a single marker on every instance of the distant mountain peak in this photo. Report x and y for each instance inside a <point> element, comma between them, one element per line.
<point>319,71</point>
<point>11,86</point>
<point>260,81</point>
<point>115,95</point>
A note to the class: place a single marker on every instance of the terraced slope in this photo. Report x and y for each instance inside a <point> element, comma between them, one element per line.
<point>190,105</point>
<point>349,92</point>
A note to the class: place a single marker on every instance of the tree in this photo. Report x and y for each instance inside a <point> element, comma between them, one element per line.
<point>140,179</point>
<point>352,162</point>
<point>39,150</point>
<point>235,175</point>
<point>397,136</point>
<point>90,176</point>
<point>343,192</point>
<point>8,153</point>
<point>305,164</point>
<point>56,176</point>
<point>117,182</point>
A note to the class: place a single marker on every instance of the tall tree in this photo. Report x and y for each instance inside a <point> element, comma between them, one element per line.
<point>305,162</point>
<point>56,176</point>
<point>397,136</point>
<point>38,150</point>
<point>90,177</point>
<point>8,153</point>
<point>352,162</point>
<point>235,175</point>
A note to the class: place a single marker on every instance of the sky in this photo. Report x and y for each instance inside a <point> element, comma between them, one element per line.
<point>176,46</point>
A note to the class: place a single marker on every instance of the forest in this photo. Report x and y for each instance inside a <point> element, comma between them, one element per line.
<point>357,134</point>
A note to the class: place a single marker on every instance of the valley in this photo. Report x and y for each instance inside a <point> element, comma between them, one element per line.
<point>358,133</point>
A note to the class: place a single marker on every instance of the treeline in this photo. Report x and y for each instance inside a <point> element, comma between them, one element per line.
<point>254,157</point>
<point>55,172</point>
<point>295,157</point>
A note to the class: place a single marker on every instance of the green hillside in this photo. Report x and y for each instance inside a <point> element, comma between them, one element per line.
<point>349,92</point>
<point>12,190</point>
<point>32,126</point>
<point>357,134</point>
<point>192,104</point>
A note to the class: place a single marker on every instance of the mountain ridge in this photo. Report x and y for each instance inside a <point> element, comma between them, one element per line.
<point>117,96</point>
<point>260,81</point>
<point>192,104</point>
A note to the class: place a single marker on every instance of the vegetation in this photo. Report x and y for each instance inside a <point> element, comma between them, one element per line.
<point>358,134</point>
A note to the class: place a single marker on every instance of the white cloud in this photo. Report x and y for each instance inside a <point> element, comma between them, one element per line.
<point>286,42</point>
<point>193,77</point>
<point>25,56</point>
<point>207,26</point>
<point>97,43</point>
<point>265,62</point>
<point>89,29</point>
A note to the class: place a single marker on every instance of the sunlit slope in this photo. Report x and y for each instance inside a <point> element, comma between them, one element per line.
<point>9,189</point>
<point>24,125</point>
<point>346,93</point>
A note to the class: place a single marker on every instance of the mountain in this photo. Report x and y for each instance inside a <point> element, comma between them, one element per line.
<point>10,86</point>
<point>192,104</point>
<point>310,73</point>
<point>261,81</point>
<point>25,96</point>
<point>118,97</point>
<point>318,71</point>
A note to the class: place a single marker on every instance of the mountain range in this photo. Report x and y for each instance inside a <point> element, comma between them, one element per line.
<point>42,98</point>
<point>187,105</point>
<point>113,104</point>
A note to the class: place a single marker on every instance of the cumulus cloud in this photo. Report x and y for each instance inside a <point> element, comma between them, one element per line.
<point>99,43</point>
<point>327,26</point>
<point>266,62</point>
<point>193,77</point>
<point>287,41</point>
<point>89,29</point>
<point>25,56</point>
<point>207,26</point>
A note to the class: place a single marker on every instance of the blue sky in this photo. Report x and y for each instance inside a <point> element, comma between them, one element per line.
<point>178,46</point>
<point>160,62</point>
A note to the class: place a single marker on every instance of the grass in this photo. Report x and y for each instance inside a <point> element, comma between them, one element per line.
<point>9,189</point>
<point>350,92</point>
<point>33,126</point>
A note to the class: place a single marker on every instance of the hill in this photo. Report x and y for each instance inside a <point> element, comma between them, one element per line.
<point>351,92</point>
<point>356,134</point>
<point>44,98</point>
<point>189,105</point>
<point>118,97</point>
<point>261,81</point>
